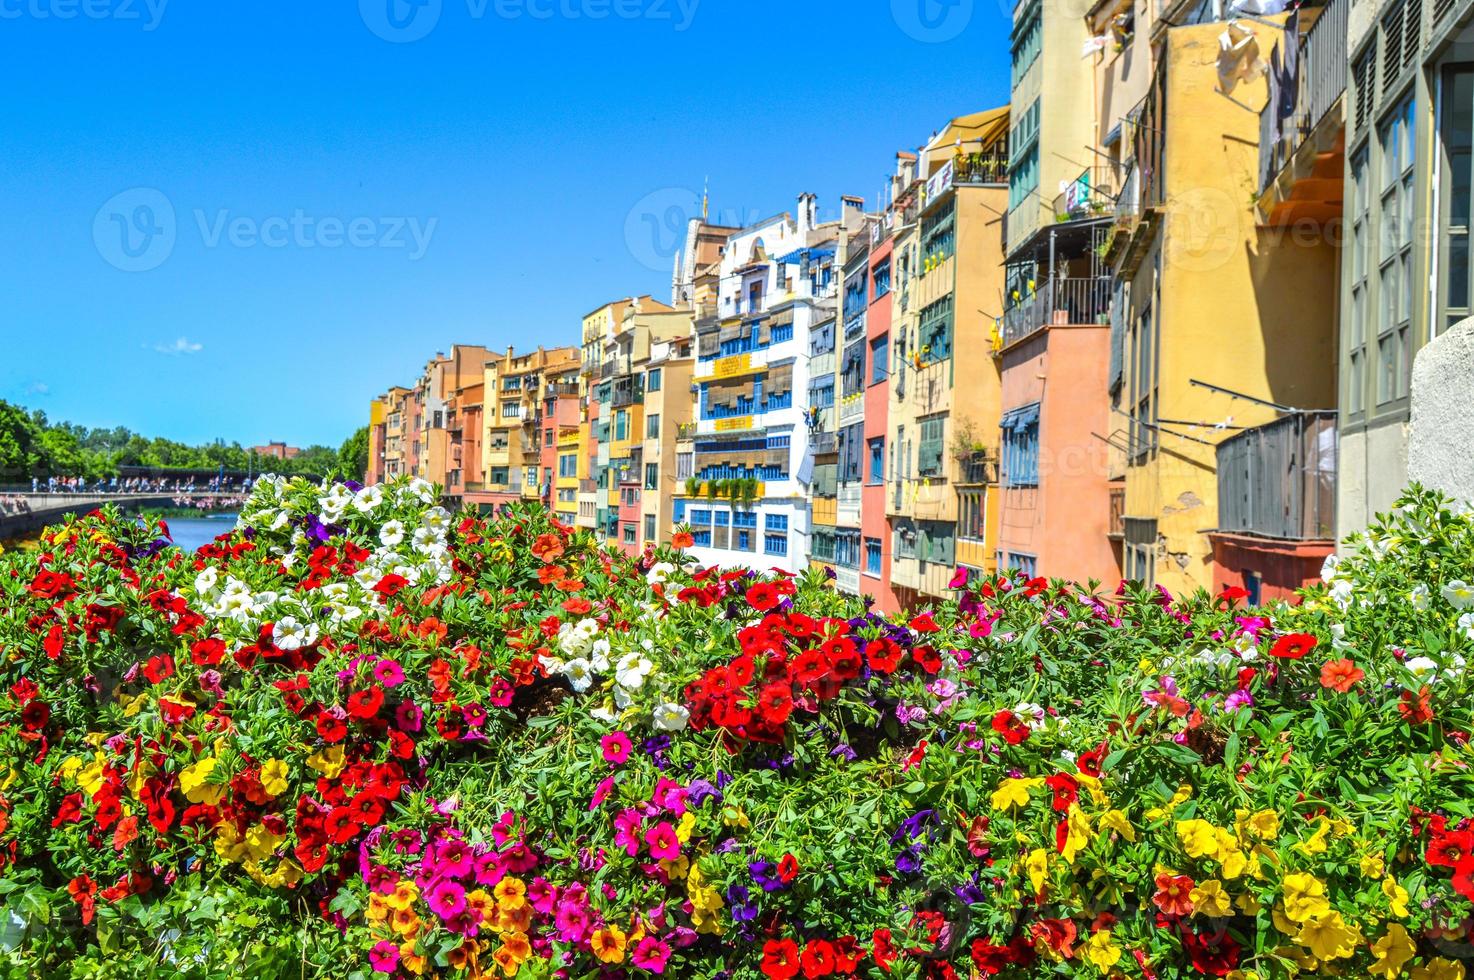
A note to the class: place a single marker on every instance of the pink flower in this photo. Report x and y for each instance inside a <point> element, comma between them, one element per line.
<point>664,844</point>
<point>409,717</point>
<point>573,922</point>
<point>446,898</point>
<point>616,746</point>
<point>500,693</point>
<point>389,673</point>
<point>384,957</point>
<point>454,859</point>
<point>627,832</point>
<point>651,954</point>
<point>601,792</point>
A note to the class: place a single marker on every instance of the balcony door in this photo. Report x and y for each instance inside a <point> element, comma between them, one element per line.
<point>1456,144</point>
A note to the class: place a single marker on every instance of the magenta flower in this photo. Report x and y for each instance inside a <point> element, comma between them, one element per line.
<point>446,898</point>
<point>664,844</point>
<point>573,921</point>
<point>409,717</point>
<point>651,954</point>
<point>616,746</point>
<point>384,957</point>
<point>454,859</point>
<point>627,832</point>
<point>601,792</point>
<point>389,673</point>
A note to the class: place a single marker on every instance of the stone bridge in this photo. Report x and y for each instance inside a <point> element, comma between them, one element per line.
<point>38,510</point>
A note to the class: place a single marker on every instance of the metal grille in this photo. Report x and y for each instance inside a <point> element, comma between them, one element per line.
<point>1365,75</point>
<point>1278,480</point>
<point>1412,43</point>
<point>1441,9</point>
<point>1392,30</point>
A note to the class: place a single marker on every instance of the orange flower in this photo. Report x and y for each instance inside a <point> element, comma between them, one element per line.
<point>608,944</point>
<point>1416,709</point>
<point>1340,675</point>
<point>682,539</point>
<point>548,547</point>
<point>1174,893</point>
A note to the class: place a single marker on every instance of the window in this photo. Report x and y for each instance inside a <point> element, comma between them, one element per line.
<point>567,466</point>
<point>935,542</point>
<point>1456,130</point>
<point>1021,447</point>
<point>1023,177</point>
<point>880,277</point>
<point>847,548</point>
<point>938,236</point>
<point>877,460</point>
<point>629,534</point>
<point>1025,130</point>
<point>935,331</point>
<point>776,522</point>
<point>649,527</point>
<point>821,547</point>
<point>652,426</point>
<point>621,425</point>
<point>685,465</point>
<point>775,543</point>
<point>851,452</point>
<point>872,556</point>
<point>1356,359</point>
<point>652,476</point>
<point>879,362</point>
<point>547,437</point>
<point>1142,433</point>
<point>972,515</point>
<point>652,379</point>
<point>1028,39</point>
<point>1395,259</point>
<point>1016,561</point>
<point>929,450</point>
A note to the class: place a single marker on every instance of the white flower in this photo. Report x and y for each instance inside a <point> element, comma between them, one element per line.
<point>670,717</point>
<point>579,674</point>
<point>421,488</point>
<point>367,499</point>
<point>426,540</point>
<point>1328,567</point>
<point>1031,713</point>
<point>1466,623</point>
<point>335,591</point>
<point>1419,597</point>
<point>1341,592</point>
<point>599,654</point>
<point>622,698</point>
<point>343,613</point>
<point>1422,667</point>
<point>659,572</point>
<point>290,634</point>
<point>391,534</point>
<point>205,582</point>
<point>1459,593</point>
<point>437,519</point>
<point>279,522</point>
<point>604,713</point>
<point>631,671</point>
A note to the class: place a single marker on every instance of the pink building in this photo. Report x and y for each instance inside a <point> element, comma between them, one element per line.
<point>875,527</point>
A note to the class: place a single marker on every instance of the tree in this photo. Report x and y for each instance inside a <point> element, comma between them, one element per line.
<point>17,436</point>
<point>353,455</point>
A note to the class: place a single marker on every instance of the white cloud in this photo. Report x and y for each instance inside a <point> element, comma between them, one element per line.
<point>181,346</point>
<point>39,388</point>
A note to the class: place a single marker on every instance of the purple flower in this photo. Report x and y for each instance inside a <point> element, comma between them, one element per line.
<point>909,861</point>
<point>765,874</point>
<point>1237,701</point>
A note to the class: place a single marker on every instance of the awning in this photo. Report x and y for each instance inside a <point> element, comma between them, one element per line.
<point>1020,418</point>
<point>796,257</point>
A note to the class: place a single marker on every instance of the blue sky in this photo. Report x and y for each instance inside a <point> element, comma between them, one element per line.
<point>243,218</point>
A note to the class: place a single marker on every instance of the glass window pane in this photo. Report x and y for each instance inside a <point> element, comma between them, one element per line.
<point>1458,272</point>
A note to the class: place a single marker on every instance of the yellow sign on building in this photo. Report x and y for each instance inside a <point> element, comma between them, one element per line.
<point>730,367</point>
<point>738,424</point>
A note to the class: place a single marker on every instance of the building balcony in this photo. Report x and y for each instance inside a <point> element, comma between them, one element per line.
<point>1279,480</point>
<point>1302,141</point>
<point>847,580</point>
<point>1058,302</point>
<point>745,356</point>
<point>847,507</point>
<point>1092,194</point>
<point>979,469</point>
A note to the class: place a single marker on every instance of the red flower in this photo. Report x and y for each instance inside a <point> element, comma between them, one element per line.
<point>818,959</point>
<point>1463,880</point>
<point>548,547</point>
<point>331,728</point>
<point>56,639</point>
<point>1448,849</point>
<point>1340,675</point>
<point>366,703</point>
<point>927,659</point>
<point>847,954</point>
<point>391,585</point>
<point>1057,935</point>
<point>763,596</point>
<point>83,891</point>
<point>883,949</point>
<point>780,959</point>
<point>1215,956</point>
<point>680,540</point>
<point>207,652</point>
<point>884,654</point>
<point>34,716</point>
<point>1013,728</point>
<point>1066,790</point>
<point>924,623</point>
<point>159,668</point>
<point>1173,895</point>
<point>1092,761</point>
<point>775,703</point>
<point>787,868</point>
<point>97,620</point>
<point>1293,646</point>
<point>1416,709</point>
<point>808,667</point>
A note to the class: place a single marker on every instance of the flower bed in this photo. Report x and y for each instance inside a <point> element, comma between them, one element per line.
<point>362,737</point>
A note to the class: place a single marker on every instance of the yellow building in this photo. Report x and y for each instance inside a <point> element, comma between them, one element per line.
<point>668,408</point>
<point>1217,327</point>
<point>944,406</point>
<point>514,435</point>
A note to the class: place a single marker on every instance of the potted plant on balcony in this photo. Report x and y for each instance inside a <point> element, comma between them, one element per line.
<point>748,491</point>
<point>693,487</point>
<point>714,489</point>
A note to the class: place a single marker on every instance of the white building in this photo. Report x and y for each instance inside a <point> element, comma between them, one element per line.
<point>748,500</point>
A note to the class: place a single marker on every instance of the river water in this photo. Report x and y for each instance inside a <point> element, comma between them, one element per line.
<point>191,532</point>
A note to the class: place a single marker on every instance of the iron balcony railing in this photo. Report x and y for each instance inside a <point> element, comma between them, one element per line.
<point>1279,480</point>
<point>1290,117</point>
<point>1091,194</point>
<point>1086,300</point>
<point>983,168</point>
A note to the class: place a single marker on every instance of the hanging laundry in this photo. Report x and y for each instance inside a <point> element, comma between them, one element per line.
<point>1238,57</point>
<point>1258,8</point>
<point>1289,84</point>
<point>1094,45</point>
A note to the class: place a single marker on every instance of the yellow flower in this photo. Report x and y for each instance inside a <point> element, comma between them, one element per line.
<point>1078,833</point>
<point>1102,952</point>
<point>408,959</point>
<point>1115,821</point>
<point>193,782</point>
<point>274,777</point>
<point>1210,899</point>
<point>1014,792</point>
<point>1329,937</point>
<point>90,779</point>
<point>1438,968</point>
<point>1372,865</point>
<point>515,948</point>
<point>1199,838</point>
<point>1234,862</point>
<point>608,944</point>
<point>511,893</point>
<point>1097,795</point>
<point>1038,868</point>
<point>1305,897</point>
<point>329,762</point>
<point>1247,904</point>
<point>684,828</point>
<point>1183,794</point>
<point>1392,952</point>
<point>1396,896</point>
<point>676,869</point>
<point>1265,824</point>
<point>1316,843</point>
<point>405,893</point>
<point>733,816</point>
